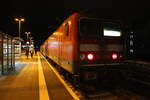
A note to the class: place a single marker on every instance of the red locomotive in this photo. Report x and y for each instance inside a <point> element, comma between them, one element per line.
<point>86,46</point>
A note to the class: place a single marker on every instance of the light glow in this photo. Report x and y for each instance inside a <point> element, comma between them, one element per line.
<point>90,56</point>
<point>112,33</point>
<point>54,44</point>
<point>16,19</point>
<point>22,19</point>
<point>69,22</point>
<point>114,56</point>
<point>19,19</point>
<point>58,33</point>
<point>27,42</point>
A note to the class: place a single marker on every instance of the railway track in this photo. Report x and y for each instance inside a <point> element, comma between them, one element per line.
<point>119,90</point>
<point>122,91</point>
<point>103,92</point>
<point>116,94</point>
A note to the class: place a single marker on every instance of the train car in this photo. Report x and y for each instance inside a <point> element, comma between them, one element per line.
<point>86,46</point>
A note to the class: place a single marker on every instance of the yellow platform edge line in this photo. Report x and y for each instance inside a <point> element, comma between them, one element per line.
<point>75,97</point>
<point>43,91</point>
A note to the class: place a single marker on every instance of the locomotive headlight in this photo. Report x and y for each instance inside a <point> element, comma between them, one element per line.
<point>114,56</point>
<point>87,56</point>
<point>90,56</point>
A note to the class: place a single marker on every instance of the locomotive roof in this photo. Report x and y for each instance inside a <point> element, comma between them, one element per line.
<point>94,16</point>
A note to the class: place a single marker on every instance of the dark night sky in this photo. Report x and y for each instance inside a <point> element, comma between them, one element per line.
<point>42,17</point>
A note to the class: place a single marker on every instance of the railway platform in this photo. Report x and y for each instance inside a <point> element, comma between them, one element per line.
<point>34,79</point>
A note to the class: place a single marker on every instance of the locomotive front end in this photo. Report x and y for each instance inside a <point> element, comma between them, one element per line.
<point>101,47</point>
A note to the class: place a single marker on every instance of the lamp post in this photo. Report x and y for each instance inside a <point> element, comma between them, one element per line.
<point>31,39</point>
<point>19,49</point>
<point>27,43</point>
<point>31,42</point>
<point>19,20</point>
<point>27,35</point>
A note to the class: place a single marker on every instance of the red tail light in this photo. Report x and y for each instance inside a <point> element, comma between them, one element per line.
<point>90,56</point>
<point>114,56</point>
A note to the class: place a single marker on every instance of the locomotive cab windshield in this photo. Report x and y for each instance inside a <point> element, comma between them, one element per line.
<point>89,27</point>
<point>94,27</point>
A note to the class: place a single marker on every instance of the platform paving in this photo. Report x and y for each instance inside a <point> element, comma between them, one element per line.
<point>32,80</point>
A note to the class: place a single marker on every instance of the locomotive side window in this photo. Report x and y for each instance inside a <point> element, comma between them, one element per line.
<point>66,29</point>
<point>112,30</point>
<point>89,27</point>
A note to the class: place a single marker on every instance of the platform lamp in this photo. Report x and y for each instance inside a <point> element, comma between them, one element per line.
<point>27,33</point>
<point>27,43</point>
<point>19,20</point>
